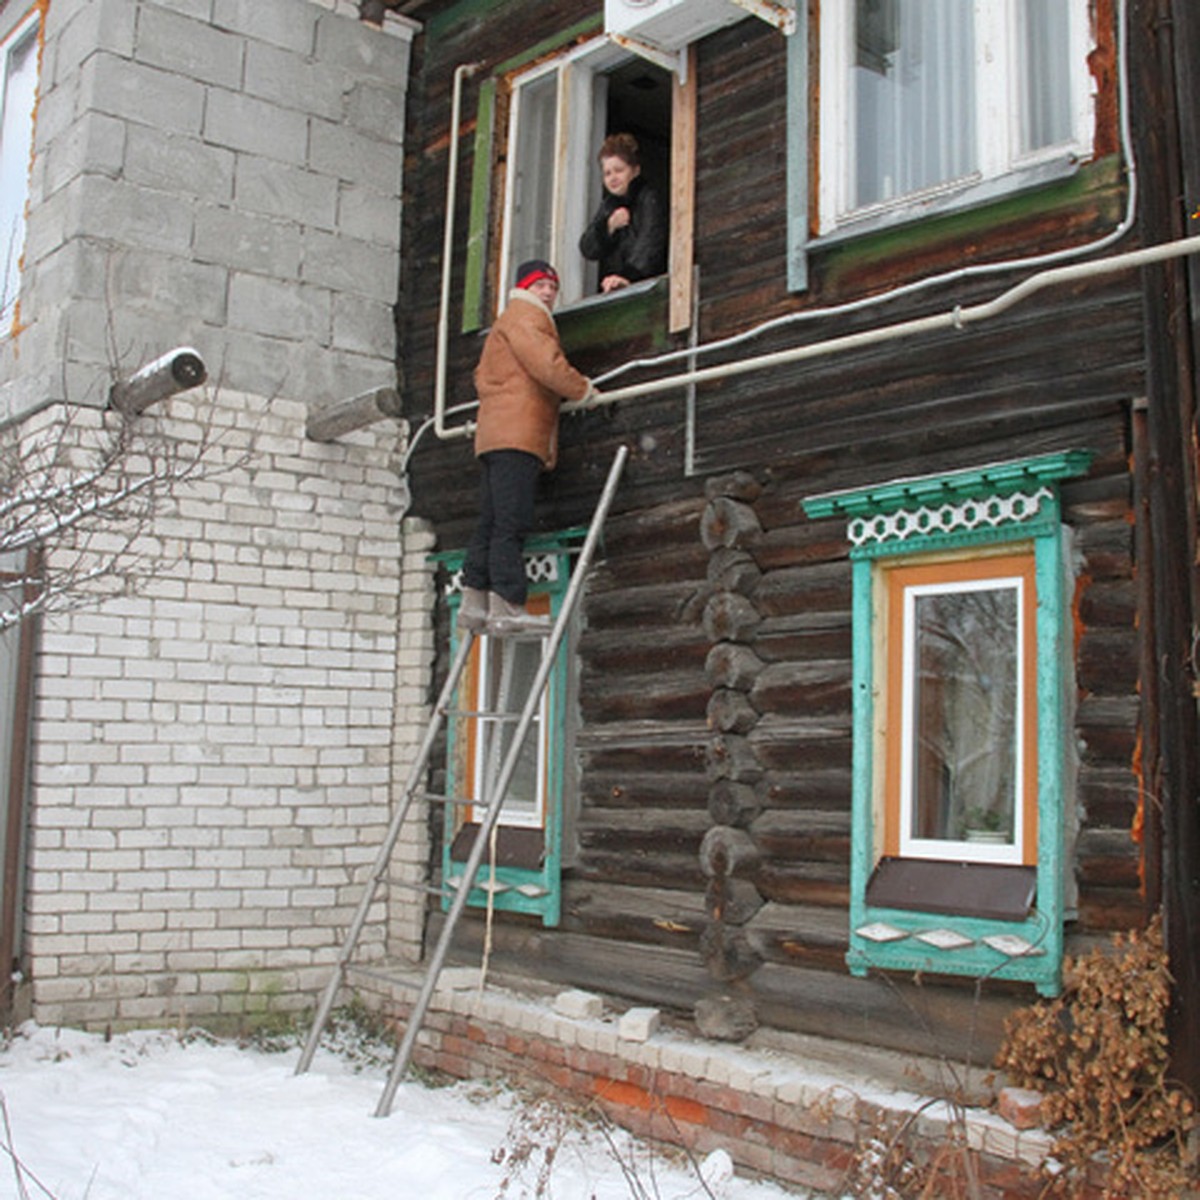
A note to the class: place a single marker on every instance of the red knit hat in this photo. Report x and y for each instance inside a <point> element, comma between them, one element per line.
<point>528,273</point>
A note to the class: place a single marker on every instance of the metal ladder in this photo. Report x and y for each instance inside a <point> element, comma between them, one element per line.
<point>495,791</point>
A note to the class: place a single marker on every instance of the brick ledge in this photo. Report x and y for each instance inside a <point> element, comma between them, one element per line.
<point>792,1107</point>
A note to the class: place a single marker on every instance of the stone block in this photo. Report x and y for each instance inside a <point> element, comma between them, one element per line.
<point>279,308</point>
<point>639,1024</point>
<point>141,94</point>
<point>94,145</point>
<point>362,52</point>
<point>1020,1107</point>
<point>256,127</point>
<point>247,243</point>
<point>377,111</point>
<point>117,211</point>
<point>345,264</point>
<point>182,45</point>
<point>290,81</point>
<point>282,23</point>
<point>364,326</point>
<point>201,10</point>
<point>356,158</point>
<point>178,163</point>
<point>93,25</point>
<point>579,1005</point>
<point>296,194</point>
<point>369,215</point>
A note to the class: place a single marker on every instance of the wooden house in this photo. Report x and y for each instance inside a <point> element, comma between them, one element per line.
<point>882,697</point>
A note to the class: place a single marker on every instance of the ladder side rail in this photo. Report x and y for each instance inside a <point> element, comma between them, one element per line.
<point>379,868</point>
<point>471,868</point>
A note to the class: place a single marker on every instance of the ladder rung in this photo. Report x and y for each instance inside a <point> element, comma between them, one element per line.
<point>485,714</point>
<point>424,889</point>
<point>461,801</point>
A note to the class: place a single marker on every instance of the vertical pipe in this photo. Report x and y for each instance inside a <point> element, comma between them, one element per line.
<point>443,326</point>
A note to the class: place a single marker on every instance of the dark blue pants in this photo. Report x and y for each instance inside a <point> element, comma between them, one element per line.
<point>495,560</point>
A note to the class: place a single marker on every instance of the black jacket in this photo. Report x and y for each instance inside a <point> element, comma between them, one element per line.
<point>639,251</point>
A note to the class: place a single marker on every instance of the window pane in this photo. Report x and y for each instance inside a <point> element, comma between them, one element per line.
<point>966,646</point>
<point>16,132</point>
<point>533,185</point>
<point>521,804</point>
<point>1045,96</point>
<point>523,790</point>
<point>914,96</point>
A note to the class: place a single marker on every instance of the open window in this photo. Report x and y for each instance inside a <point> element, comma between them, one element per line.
<point>925,100</point>
<point>540,126</point>
<point>960,858</point>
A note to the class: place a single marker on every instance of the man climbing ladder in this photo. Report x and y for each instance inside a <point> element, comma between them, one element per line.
<point>521,380</point>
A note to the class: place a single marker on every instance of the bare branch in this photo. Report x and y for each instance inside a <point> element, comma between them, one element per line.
<point>79,490</point>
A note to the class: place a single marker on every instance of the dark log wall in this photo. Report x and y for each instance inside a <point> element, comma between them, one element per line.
<point>714,748</point>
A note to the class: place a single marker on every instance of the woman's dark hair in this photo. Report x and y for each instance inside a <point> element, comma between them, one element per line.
<point>623,146</point>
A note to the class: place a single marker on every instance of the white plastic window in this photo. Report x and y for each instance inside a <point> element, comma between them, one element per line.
<point>963,721</point>
<point>525,801</point>
<point>921,98</point>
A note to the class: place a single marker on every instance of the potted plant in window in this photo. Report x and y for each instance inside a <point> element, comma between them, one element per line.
<point>984,824</point>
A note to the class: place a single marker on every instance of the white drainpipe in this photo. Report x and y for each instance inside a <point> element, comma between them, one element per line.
<point>956,318</point>
<point>443,327</point>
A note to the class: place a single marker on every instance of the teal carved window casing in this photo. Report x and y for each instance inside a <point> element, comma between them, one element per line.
<point>951,515</point>
<point>534,885</point>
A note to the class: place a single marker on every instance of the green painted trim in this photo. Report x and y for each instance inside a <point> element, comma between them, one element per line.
<point>597,324</point>
<point>563,540</point>
<point>439,26</point>
<point>978,961</point>
<point>475,280</point>
<point>797,159</point>
<point>555,41</point>
<point>474,316</point>
<point>1052,733</point>
<point>950,488</point>
<point>548,906</point>
<point>862,824</point>
<point>1101,183</point>
<point>1045,927</point>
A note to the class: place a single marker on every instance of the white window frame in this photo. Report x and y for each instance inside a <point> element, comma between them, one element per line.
<point>953,849</point>
<point>1002,167</point>
<point>579,114</point>
<point>516,812</point>
<point>16,143</point>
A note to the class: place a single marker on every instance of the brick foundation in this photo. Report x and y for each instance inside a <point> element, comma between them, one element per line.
<point>775,1113</point>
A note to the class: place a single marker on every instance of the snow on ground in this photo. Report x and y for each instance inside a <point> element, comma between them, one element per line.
<point>154,1115</point>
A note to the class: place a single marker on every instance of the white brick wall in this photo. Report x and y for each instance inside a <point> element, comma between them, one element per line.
<point>215,753</point>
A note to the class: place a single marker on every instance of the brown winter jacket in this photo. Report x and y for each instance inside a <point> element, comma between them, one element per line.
<point>521,378</point>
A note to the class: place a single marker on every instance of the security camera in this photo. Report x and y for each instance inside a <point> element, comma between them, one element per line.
<point>175,371</point>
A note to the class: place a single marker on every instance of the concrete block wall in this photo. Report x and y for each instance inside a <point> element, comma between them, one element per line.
<point>218,173</point>
<point>214,752</point>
